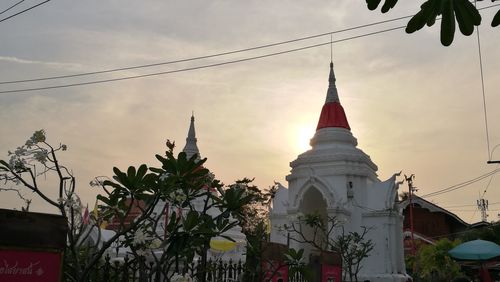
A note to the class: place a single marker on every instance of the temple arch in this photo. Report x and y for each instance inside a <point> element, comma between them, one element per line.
<point>313,202</point>
<point>329,195</point>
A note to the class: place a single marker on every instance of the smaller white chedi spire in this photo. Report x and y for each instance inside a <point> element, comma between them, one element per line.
<point>191,148</point>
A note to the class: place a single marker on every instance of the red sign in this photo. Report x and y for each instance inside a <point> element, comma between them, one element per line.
<point>23,266</point>
<point>275,271</point>
<point>331,273</point>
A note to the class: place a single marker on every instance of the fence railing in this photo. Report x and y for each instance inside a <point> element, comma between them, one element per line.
<point>126,269</point>
<point>133,270</point>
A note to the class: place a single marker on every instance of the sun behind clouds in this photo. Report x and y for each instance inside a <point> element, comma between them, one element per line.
<point>303,134</point>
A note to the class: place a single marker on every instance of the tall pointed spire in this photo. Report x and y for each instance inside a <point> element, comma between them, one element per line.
<point>191,148</point>
<point>332,95</point>
<point>332,113</point>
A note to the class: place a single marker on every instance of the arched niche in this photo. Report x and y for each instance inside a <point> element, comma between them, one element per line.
<point>313,202</point>
<point>330,196</point>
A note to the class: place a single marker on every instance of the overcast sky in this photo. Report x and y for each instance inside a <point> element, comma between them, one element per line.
<point>413,104</point>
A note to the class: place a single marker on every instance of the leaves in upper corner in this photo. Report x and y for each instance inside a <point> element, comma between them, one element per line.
<point>372,4</point>
<point>467,16</point>
<point>388,4</point>
<point>496,19</point>
<point>465,13</point>
<point>429,10</point>
<point>447,23</point>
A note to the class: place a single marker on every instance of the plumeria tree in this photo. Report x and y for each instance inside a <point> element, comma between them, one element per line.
<point>256,211</point>
<point>203,207</point>
<point>352,246</point>
<point>21,173</point>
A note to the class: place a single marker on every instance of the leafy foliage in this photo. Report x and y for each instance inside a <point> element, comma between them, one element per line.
<point>462,12</point>
<point>352,246</point>
<point>203,207</point>
<point>353,249</point>
<point>255,212</point>
<point>432,262</point>
<point>37,158</point>
<point>488,233</point>
<point>296,264</point>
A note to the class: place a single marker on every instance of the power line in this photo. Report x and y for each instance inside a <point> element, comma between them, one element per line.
<point>488,185</point>
<point>483,92</point>
<point>205,56</point>
<point>196,67</point>
<point>23,11</point>
<point>474,210</point>
<point>6,10</point>
<point>461,185</point>
<point>454,233</point>
<point>214,55</point>
<point>460,206</point>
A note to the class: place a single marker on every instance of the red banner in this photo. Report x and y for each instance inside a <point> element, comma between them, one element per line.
<point>275,271</point>
<point>23,266</point>
<point>331,273</point>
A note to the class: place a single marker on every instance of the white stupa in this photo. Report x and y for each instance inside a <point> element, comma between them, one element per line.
<point>221,248</point>
<point>337,179</point>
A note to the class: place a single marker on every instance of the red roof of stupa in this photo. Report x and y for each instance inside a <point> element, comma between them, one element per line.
<point>332,113</point>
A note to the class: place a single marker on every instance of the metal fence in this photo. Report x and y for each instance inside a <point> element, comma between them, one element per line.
<point>125,270</point>
<point>132,270</point>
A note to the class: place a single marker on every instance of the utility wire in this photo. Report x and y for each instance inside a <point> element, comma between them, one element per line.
<point>6,10</point>
<point>205,56</point>
<point>23,11</point>
<point>197,67</point>
<point>474,210</point>
<point>483,92</point>
<point>452,233</point>
<point>461,185</point>
<point>489,183</point>
<point>472,205</point>
<point>214,55</point>
<point>198,58</point>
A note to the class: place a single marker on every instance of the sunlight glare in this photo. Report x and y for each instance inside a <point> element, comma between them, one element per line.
<point>304,134</point>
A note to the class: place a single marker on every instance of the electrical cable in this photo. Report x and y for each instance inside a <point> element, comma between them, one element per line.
<point>196,67</point>
<point>205,56</point>
<point>461,185</point>
<point>459,206</point>
<point>213,55</point>
<point>489,183</point>
<point>484,109</point>
<point>23,11</point>
<point>6,10</point>
<point>453,233</point>
<point>483,91</point>
<point>474,210</point>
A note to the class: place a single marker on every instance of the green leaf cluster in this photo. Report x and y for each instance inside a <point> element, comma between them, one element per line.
<point>433,263</point>
<point>296,264</point>
<point>203,208</point>
<point>452,12</point>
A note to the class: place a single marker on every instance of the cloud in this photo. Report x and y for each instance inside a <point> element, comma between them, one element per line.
<point>59,65</point>
<point>412,103</point>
